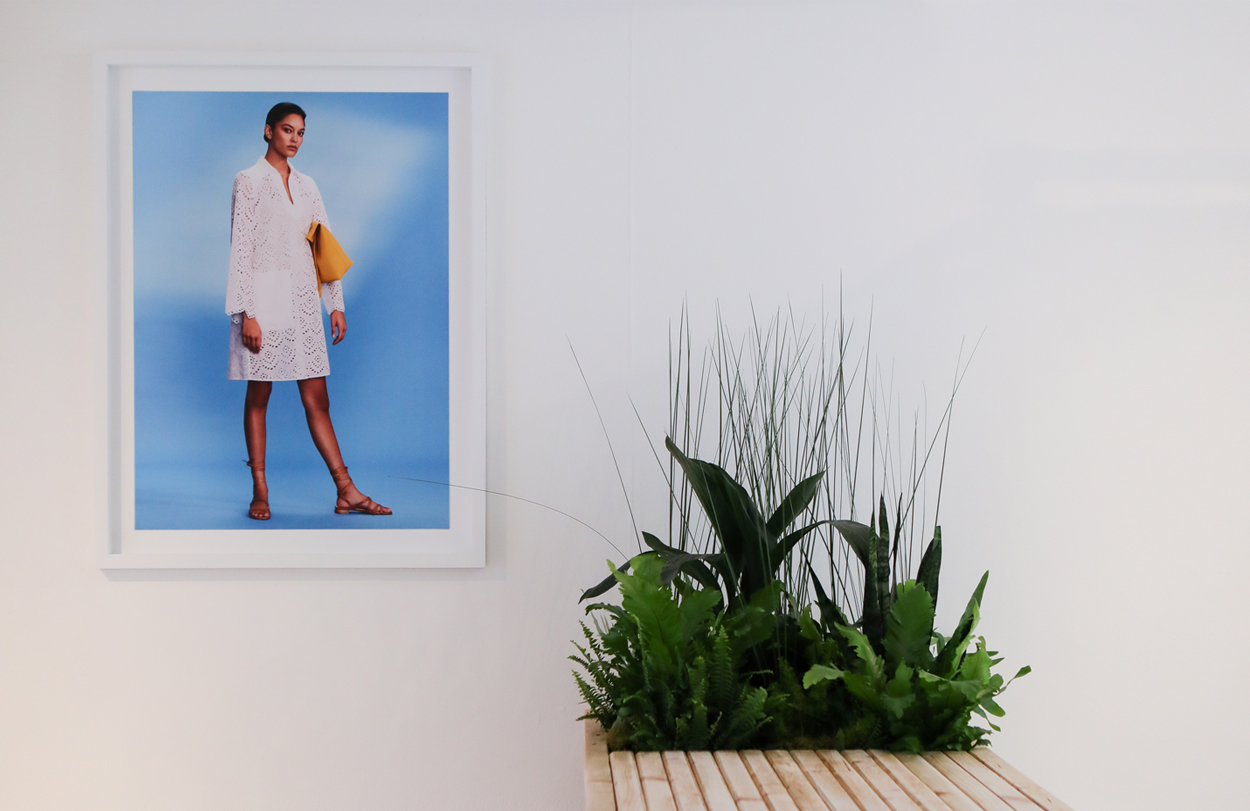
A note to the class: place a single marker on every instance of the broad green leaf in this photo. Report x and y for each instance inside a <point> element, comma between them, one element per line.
<point>991,706</point>
<point>898,695</point>
<point>768,598</point>
<point>909,626</point>
<point>858,536</point>
<point>678,562</point>
<point>820,673</point>
<point>931,565</point>
<point>697,611</point>
<point>606,583</point>
<point>734,518</point>
<point>657,545</point>
<point>793,505</point>
<point>781,550</point>
<point>976,666</point>
<point>652,607</point>
<point>874,667</point>
<point>747,627</point>
<point>865,689</point>
<point>692,566</point>
<point>807,626</point>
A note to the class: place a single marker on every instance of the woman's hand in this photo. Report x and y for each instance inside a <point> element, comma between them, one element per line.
<point>338,325</point>
<point>251,334</point>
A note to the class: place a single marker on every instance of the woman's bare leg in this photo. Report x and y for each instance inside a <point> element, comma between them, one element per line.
<point>255,405</point>
<point>316,400</point>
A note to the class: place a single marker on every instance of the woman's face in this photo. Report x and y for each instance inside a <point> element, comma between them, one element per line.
<point>286,136</point>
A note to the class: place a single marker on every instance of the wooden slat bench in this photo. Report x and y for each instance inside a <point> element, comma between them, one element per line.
<point>780,780</point>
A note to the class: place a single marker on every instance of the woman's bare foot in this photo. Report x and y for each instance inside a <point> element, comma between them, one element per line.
<point>259,508</point>
<point>351,500</point>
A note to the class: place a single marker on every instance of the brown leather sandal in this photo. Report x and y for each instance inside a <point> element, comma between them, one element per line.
<point>366,505</point>
<point>259,508</point>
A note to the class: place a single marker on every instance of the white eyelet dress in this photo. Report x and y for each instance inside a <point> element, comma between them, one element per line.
<point>272,277</point>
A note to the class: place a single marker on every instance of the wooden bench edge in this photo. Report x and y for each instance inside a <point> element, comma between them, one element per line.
<point>600,795</point>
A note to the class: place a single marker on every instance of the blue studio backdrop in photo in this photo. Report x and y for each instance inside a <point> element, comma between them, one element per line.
<point>380,160</point>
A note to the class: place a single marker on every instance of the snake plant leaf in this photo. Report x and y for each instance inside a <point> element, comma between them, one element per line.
<point>931,566</point>
<point>732,514</point>
<point>858,537</point>
<point>882,560</point>
<point>793,505</point>
<point>909,627</point>
<point>948,659</point>
<point>872,620</point>
<point>883,523</point>
<point>606,583</point>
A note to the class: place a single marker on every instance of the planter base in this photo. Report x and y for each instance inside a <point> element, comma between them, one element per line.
<point>781,780</point>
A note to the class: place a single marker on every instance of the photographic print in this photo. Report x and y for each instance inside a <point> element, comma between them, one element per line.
<point>297,331</point>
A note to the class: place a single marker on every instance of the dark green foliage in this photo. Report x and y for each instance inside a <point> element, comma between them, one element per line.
<point>665,674</point>
<point>922,693</point>
<point>752,549</point>
<point>705,651</point>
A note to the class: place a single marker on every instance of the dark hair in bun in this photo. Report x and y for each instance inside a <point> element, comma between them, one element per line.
<point>280,111</point>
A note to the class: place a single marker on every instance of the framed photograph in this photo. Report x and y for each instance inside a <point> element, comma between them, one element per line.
<point>256,410</point>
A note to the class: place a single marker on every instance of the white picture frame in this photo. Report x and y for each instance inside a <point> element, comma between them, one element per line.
<point>118,544</point>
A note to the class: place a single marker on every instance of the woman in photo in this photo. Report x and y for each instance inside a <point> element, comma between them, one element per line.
<point>274,302</point>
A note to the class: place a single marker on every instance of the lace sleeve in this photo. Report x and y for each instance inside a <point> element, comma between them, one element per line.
<point>331,292</point>
<point>242,244</point>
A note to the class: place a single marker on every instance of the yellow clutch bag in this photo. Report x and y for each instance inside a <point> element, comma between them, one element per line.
<point>328,255</point>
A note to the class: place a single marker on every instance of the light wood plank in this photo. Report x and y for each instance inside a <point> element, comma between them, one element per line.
<point>1027,787</point>
<point>598,772</point>
<point>655,786</point>
<point>988,778</point>
<point>950,794</point>
<point>830,790</point>
<point>711,782</point>
<point>801,789</point>
<point>770,784</point>
<point>626,782</point>
<point>968,784</point>
<point>920,793</point>
<point>685,787</point>
<point>856,785</point>
<point>780,780</point>
<point>746,794</point>
<point>881,782</point>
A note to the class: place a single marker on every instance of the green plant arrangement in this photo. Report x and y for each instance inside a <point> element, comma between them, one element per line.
<point>727,637</point>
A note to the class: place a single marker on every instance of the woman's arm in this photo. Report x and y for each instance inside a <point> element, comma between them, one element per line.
<point>331,292</point>
<point>243,226</point>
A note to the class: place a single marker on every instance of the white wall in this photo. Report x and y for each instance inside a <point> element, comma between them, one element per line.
<point>1072,178</point>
